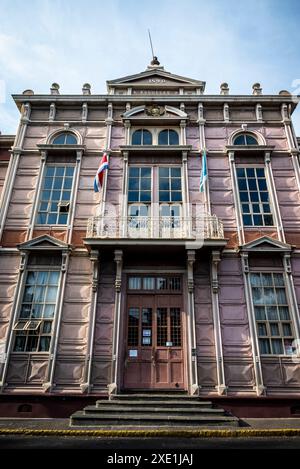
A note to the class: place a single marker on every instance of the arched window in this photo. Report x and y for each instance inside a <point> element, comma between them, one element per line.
<point>245,139</point>
<point>65,138</point>
<point>142,137</point>
<point>168,137</point>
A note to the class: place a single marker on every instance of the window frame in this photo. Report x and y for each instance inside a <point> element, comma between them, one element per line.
<point>278,321</point>
<point>60,202</point>
<point>154,203</point>
<point>155,131</point>
<point>141,129</point>
<point>245,135</point>
<point>251,213</point>
<point>66,135</point>
<point>41,321</point>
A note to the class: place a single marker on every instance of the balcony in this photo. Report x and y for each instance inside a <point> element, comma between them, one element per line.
<point>168,228</point>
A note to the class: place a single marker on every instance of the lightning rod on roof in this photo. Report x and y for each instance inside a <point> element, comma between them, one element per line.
<point>154,61</point>
<point>151,45</point>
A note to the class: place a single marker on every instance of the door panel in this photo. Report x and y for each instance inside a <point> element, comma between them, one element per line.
<point>154,342</point>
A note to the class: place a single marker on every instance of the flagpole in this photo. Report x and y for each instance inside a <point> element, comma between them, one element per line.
<point>108,121</point>
<point>206,187</point>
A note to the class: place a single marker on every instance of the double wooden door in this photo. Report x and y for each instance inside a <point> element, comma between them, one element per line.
<point>154,342</point>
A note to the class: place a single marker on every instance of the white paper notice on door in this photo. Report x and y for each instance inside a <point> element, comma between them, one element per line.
<point>133,353</point>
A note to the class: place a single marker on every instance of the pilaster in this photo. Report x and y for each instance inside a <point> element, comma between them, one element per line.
<point>221,386</point>
<point>87,384</point>
<point>291,293</point>
<point>192,346</point>
<point>273,196</point>
<point>15,311</point>
<point>49,384</point>
<point>258,377</point>
<point>114,384</point>
<point>236,198</point>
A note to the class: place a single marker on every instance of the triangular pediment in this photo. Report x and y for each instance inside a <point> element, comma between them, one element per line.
<point>43,243</point>
<point>156,77</point>
<point>266,244</point>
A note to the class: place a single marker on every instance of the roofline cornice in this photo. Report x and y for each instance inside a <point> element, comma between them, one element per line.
<point>107,98</point>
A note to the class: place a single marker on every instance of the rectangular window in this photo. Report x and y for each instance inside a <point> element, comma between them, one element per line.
<point>34,326</point>
<point>139,185</point>
<point>254,197</point>
<point>55,195</point>
<point>170,184</point>
<point>273,321</point>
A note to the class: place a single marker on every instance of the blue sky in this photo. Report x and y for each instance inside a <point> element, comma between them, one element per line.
<point>72,42</point>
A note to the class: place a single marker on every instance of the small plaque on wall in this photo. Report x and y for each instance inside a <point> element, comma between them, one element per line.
<point>133,353</point>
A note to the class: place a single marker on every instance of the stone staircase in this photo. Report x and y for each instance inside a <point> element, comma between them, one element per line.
<point>155,410</point>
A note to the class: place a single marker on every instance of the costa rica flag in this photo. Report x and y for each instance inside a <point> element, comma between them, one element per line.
<point>98,181</point>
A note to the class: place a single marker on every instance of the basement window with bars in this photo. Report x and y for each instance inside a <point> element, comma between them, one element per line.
<point>34,327</point>
<point>273,321</point>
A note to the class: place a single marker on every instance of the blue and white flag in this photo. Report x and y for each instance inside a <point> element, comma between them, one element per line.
<point>203,178</point>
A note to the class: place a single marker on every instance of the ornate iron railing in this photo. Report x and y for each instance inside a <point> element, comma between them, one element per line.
<point>202,227</point>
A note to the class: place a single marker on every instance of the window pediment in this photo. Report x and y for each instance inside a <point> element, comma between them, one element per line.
<point>266,244</point>
<point>42,243</point>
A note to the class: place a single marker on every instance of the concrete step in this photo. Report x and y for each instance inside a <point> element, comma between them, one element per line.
<point>154,396</point>
<point>150,403</point>
<point>81,418</point>
<point>116,409</point>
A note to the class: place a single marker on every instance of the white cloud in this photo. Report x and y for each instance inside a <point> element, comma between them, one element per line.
<point>72,42</point>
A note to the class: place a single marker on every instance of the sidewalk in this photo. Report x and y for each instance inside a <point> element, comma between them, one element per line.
<point>60,427</point>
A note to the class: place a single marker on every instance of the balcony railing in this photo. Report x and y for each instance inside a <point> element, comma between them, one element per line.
<point>203,227</point>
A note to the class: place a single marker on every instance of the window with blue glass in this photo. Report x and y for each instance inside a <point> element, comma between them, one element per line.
<point>168,137</point>
<point>65,138</point>
<point>254,197</point>
<point>55,195</point>
<point>141,137</point>
<point>170,184</point>
<point>139,184</point>
<point>245,139</point>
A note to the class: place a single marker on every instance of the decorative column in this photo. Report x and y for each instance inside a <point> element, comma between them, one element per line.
<point>113,386</point>
<point>236,198</point>
<point>201,122</point>
<point>15,311</point>
<point>87,384</point>
<point>52,112</point>
<point>84,112</point>
<point>191,327</point>
<point>74,194</point>
<point>48,385</point>
<point>295,162</point>
<point>13,164</point>
<point>221,386</point>
<point>291,293</point>
<point>226,113</point>
<point>123,201</point>
<point>183,132</point>
<point>258,113</point>
<point>108,123</point>
<point>37,195</point>
<point>273,195</point>
<point>186,223</point>
<point>8,187</point>
<point>127,126</point>
<point>258,377</point>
